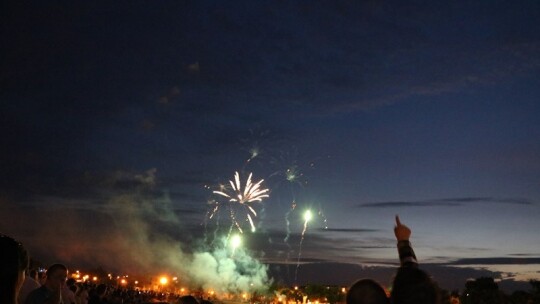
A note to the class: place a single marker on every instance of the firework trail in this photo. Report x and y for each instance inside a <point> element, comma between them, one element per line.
<point>253,152</point>
<point>209,216</point>
<point>307,218</point>
<point>288,222</point>
<point>241,196</point>
<point>291,176</point>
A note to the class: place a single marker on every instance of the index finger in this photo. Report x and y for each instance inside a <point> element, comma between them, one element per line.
<point>398,222</point>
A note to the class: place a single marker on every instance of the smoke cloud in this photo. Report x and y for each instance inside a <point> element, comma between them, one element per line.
<point>130,234</point>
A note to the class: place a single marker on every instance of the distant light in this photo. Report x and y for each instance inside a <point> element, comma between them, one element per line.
<point>123,281</point>
<point>94,279</point>
<point>163,280</point>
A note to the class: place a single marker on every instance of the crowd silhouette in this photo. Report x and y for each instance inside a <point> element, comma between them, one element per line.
<point>410,285</point>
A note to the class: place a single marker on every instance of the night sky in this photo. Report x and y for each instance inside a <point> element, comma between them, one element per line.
<point>119,119</point>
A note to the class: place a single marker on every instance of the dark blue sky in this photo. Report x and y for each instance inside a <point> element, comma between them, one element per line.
<point>112,112</point>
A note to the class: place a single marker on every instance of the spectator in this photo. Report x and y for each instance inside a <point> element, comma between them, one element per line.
<point>98,296</point>
<point>411,285</point>
<point>51,291</point>
<point>41,277</point>
<point>366,291</point>
<point>188,300</point>
<point>68,291</point>
<point>29,285</point>
<point>34,275</point>
<point>82,294</point>
<point>13,264</point>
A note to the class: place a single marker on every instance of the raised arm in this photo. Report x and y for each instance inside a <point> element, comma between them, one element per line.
<point>407,257</point>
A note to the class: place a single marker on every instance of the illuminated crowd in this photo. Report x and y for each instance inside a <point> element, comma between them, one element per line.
<point>81,287</point>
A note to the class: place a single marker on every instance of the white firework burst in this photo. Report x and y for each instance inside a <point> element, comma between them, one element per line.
<point>244,196</point>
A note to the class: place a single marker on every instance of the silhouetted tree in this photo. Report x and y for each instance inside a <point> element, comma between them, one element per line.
<point>519,297</point>
<point>445,296</point>
<point>535,292</point>
<point>483,290</point>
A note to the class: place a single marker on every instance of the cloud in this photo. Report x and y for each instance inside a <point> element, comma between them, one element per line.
<point>344,274</point>
<point>496,261</point>
<point>522,254</point>
<point>514,201</point>
<point>347,230</point>
<point>315,246</point>
<point>404,204</point>
<point>447,202</point>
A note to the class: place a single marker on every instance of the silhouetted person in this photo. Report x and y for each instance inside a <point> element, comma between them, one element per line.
<point>98,296</point>
<point>51,291</point>
<point>68,291</point>
<point>366,291</point>
<point>82,294</point>
<point>411,285</point>
<point>30,284</point>
<point>188,300</point>
<point>13,264</point>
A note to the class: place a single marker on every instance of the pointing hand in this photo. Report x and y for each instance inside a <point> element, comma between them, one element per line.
<point>402,232</point>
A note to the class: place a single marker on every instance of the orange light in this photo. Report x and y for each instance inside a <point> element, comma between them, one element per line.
<point>123,281</point>
<point>163,280</point>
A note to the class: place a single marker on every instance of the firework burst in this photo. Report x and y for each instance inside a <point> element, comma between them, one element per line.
<point>242,196</point>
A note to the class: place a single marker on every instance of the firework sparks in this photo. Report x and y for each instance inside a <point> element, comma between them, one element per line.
<point>244,196</point>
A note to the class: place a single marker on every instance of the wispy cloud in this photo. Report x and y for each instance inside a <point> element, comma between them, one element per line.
<point>347,230</point>
<point>404,204</point>
<point>496,261</point>
<point>447,202</point>
<point>518,201</point>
